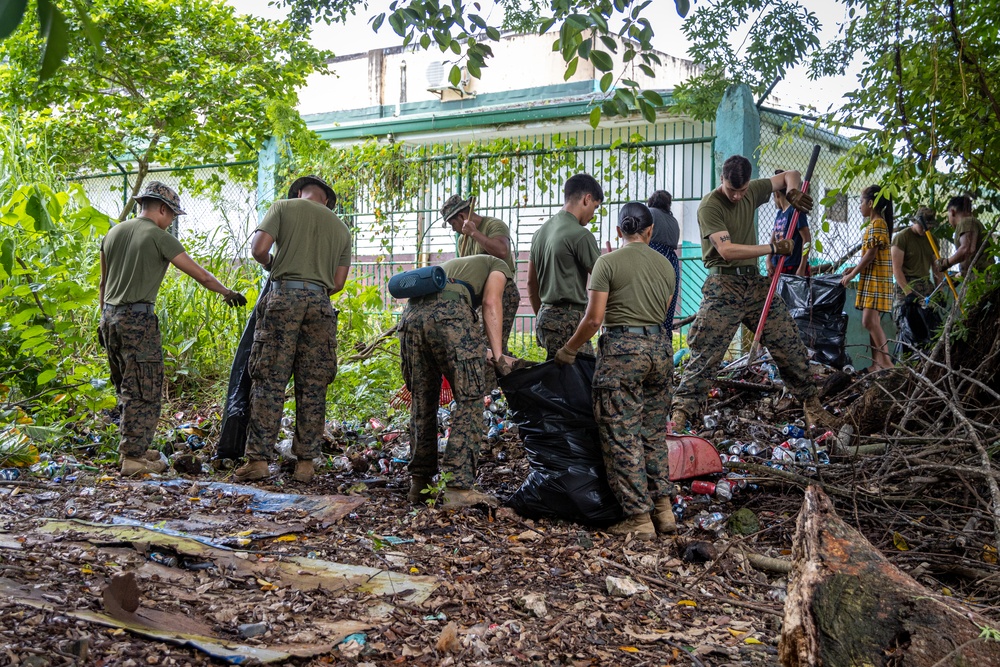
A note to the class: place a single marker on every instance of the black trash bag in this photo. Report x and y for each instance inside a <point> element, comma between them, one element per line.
<point>816,305</point>
<point>236,416</point>
<point>555,416</point>
<point>916,326</point>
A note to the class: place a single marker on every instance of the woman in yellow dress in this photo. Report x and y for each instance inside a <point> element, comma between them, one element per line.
<point>875,271</point>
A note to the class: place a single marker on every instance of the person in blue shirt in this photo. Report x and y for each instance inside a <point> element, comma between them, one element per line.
<point>798,262</point>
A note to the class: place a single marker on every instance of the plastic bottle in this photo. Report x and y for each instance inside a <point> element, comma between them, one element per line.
<point>713,522</point>
<point>163,559</point>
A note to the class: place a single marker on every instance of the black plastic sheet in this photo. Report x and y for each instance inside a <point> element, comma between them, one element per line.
<point>555,416</point>
<point>236,416</point>
<point>816,305</point>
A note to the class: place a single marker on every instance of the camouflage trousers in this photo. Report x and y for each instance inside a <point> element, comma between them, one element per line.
<point>296,334</point>
<point>511,302</point>
<point>438,336</point>
<point>132,341</point>
<point>631,392</point>
<point>726,302</point>
<point>555,325</point>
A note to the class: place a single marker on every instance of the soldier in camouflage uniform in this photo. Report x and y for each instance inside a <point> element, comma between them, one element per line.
<point>438,335</point>
<point>630,291</point>
<point>296,330</point>
<point>483,235</point>
<point>563,252</point>
<point>735,291</point>
<point>134,259</point>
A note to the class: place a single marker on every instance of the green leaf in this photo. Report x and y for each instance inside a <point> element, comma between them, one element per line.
<point>92,32</point>
<point>7,258</point>
<point>38,212</point>
<point>11,15</point>
<point>377,21</point>
<point>53,30</point>
<point>425,41</point>
<point>606,82</point>
<point>653,97</point>
<point>455,76</point>
<point>456,48</point>
<point>610,43</point>
<point>585,47</point>
<point>493,33</point>
<point>602,61</point>
<point>648,112</point>
<point>474,68</point>
<point>571,69</point>
<point>684,6</point>
<point>647,70</point>
<point>545,25</point>
<point>45,376</point>
<point>396,23</point>
<point>595,117</point>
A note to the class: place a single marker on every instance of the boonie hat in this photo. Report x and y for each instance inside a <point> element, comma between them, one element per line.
<point>455,205</point>
<point>312,179</point>
<point>163,192</point>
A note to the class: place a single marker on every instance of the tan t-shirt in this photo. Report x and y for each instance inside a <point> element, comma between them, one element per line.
<point>639,282</point>
<point>717,214</point>
<point>312,241</point>
<point>563,252</point>
<point>491,228</point>
<point>136,254</point>
<point>917,254</point>
<point>972,225</point>
<point>474,270</point>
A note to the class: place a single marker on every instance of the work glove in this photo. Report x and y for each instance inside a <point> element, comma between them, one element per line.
<point>941,264</point>
<point>802,202</point>
<point>565,356</point>
<point>783,246</point>
<point>911,297</point>
<point>502,366</point>
<point>234,299</point>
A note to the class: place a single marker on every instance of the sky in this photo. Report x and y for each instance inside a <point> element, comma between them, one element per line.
<point>356,36</point>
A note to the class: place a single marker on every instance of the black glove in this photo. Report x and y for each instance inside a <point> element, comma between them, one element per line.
<point>100,339</point>
<point>911,297</point>
<point>234,299</point>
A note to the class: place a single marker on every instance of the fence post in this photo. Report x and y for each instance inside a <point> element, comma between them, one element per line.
<point>267,165</point>
<point>737,131</point>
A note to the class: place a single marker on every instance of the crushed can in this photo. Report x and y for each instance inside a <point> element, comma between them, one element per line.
<point>710,421</point>
<point>163,559</point>
<point>9,474</point>
<point>702,487</point>
<point>793,431</point>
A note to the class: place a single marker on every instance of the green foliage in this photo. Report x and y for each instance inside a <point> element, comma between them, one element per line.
<point>171,83</point>
<point>434,490</point>
<point>363,385</point>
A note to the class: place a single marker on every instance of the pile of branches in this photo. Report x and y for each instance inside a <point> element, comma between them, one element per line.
<point>913,468</point>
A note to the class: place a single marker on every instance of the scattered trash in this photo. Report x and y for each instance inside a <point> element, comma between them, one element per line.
<point>250,630</point>
<point>624,587</point>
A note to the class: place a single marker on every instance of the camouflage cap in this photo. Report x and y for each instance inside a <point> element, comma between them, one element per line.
<point>311,179</point>
<point>163,192</point>
<point>455,205</point>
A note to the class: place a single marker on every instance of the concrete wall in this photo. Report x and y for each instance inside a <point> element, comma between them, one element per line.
<point>395,75</point>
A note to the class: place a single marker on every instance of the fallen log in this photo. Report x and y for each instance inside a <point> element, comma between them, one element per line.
<point>848,605</point>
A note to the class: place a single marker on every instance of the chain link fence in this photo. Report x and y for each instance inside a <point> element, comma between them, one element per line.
<point>220,206</point>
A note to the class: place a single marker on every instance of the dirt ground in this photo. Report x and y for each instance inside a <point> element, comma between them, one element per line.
<point>501,589</point>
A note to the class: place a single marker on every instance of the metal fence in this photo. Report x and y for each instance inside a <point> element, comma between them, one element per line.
<point>220,207</point>
<point>523,187</point>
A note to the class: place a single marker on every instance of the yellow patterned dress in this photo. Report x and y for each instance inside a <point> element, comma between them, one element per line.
<point>875,280</point>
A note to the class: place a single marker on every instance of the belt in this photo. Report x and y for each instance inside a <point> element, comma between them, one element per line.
<point>444,295</point>
<point>567,306</point>
<point>734,270</point>
<point>646,331</point>
<point>299,284</point>
<point>130,308</point>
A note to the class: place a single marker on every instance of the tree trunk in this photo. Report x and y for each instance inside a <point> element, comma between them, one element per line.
<point>847,605</point>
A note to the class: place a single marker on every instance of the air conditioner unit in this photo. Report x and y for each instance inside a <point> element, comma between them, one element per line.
<point>438,82</point>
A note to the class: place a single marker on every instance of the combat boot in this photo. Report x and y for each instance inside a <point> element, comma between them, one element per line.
<point>304,471</point>
<point>253,470</point>
<point>639,526</point>
<point>456,497</point>
<point>817,415</point>
<point>663,516</point>
<point>417,485</point>
<point>135,466</point>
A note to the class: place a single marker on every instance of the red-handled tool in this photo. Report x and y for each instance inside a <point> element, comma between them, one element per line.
<point>789,233</point>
